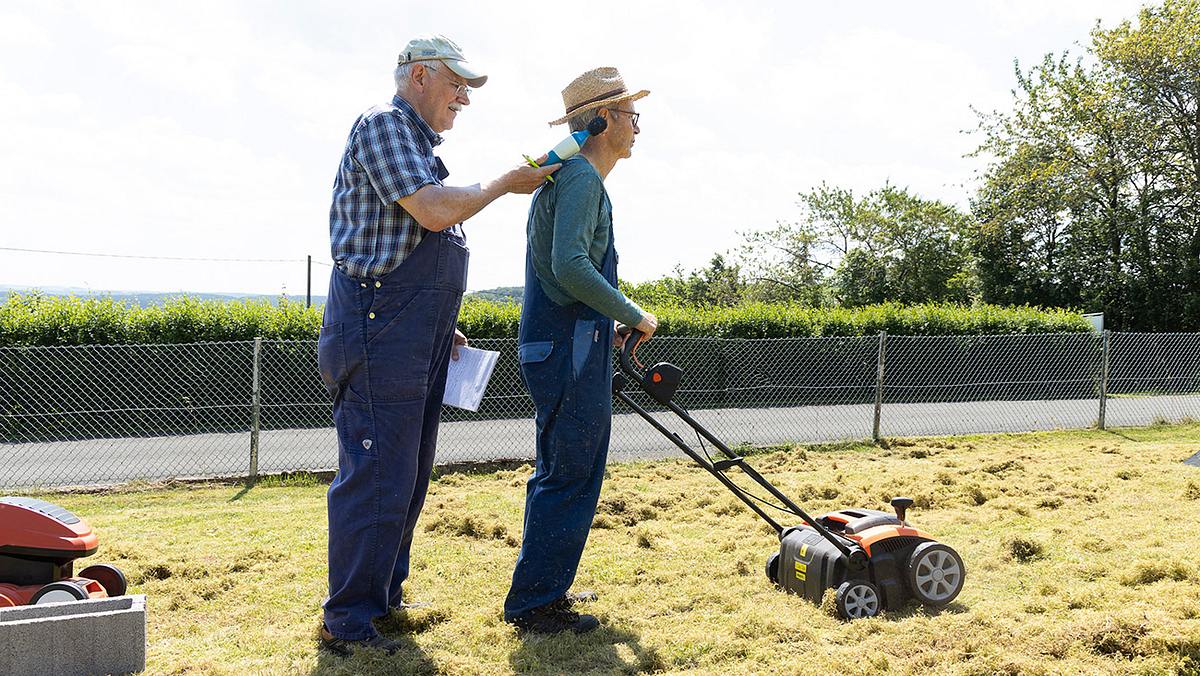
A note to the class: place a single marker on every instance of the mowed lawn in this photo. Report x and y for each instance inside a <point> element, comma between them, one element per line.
<point>1080,549</point>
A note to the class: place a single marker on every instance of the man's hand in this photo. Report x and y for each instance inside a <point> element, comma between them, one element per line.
<point>525,179</point>
<point>437,207</point>
<point>647,326</point>
<point>459,340</point>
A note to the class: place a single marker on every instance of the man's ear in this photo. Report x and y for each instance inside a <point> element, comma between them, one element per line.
<point>419,74</point>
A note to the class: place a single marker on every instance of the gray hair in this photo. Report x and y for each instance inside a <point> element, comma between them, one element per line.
<point>401,75</point>
<point>580,122</point>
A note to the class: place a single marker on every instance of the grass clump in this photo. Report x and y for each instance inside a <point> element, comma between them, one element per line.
<point>1050,502</point>
<point>470,526</point>
<point>1024,550</point>
<point>1191,491</point>
<point>1116,636</point>
<point>1002,468</point>
<point>1150,571</point>
<point>829,603</point>
<point>975,495</point>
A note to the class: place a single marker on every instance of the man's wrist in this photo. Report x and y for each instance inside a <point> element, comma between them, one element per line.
<point>497,187</point>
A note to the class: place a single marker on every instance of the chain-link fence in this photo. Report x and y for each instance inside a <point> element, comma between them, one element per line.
<point>101,414</point>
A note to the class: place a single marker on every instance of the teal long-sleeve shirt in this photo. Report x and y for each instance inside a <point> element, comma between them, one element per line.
<point>570,223</point>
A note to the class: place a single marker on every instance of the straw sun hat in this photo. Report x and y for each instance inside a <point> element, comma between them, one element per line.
<point>597,88</point>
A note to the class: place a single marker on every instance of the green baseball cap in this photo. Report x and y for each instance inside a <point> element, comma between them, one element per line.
<point>442,48</point>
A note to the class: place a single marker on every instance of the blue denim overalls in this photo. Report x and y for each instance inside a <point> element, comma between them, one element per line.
<point>566,362</point>
<point>383,353</point>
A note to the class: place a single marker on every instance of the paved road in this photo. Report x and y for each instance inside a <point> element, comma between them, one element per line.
<point>103,461</point>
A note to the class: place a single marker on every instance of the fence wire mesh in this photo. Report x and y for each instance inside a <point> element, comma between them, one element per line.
<point>975,384</point>
<point>109,414</point>
<point>1153,377</point>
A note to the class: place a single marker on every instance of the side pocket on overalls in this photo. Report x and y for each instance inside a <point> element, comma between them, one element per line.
<point>573,445</point>
<point>331,356</point>
<point>532,353</point>
<point>355,425</point>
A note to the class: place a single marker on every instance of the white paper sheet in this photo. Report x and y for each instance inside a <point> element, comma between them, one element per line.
<point>468,377</point>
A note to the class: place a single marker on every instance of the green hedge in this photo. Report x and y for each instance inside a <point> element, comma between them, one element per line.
<point>760,320</point>
<point>47,320</point>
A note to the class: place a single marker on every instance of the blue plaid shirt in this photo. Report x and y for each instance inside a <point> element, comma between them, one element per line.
<point>389,155</point>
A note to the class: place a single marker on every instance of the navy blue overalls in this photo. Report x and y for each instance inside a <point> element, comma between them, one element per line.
<point>566,363</point>
<point>383,352</point>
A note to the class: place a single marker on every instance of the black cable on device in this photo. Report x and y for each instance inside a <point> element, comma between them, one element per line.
<point>741,490</point>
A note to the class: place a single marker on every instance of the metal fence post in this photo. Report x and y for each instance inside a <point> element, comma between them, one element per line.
<point>879,383</point>
<point>1105,353</point>
<point>255,405</point>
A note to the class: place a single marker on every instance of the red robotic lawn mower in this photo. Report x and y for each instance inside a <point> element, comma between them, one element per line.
<point>39,543</point>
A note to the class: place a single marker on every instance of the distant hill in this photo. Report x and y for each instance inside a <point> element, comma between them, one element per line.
<point>148,298</point>
<point>502,294</point>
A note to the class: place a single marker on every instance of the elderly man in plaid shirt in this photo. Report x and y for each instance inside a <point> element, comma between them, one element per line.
<point>389,328</point>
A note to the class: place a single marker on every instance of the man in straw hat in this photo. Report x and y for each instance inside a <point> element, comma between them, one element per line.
<point>565,348</point>
<point>389,328</point>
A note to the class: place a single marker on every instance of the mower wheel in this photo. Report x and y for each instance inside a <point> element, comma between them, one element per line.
<point>773,568</point>
<point>857,599</point>
<point>109,577</point>
<point>935,573</point>
<point>57,592</point>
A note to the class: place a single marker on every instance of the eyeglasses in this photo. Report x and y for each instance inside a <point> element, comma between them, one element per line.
<point>459,88</point>
<point>632,115</point>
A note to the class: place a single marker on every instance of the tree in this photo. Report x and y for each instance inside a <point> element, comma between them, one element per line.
<point>1091,198</point>
<point>887,246</point>
<point>719,284</point>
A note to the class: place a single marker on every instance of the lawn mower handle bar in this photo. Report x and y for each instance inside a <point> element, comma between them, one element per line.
<point>631,341</point>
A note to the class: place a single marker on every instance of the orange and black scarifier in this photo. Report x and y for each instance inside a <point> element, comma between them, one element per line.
<point>874,560</point>
<point>39,543</point>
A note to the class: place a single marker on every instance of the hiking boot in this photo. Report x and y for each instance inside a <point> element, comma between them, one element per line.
<point>553,618</point>
<point>345,647</point>
<point>586,596</point>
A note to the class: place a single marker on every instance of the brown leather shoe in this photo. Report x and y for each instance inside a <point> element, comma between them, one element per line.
<point>345,647</point>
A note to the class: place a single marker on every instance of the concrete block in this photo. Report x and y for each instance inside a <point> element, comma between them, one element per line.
<point>97,636</point>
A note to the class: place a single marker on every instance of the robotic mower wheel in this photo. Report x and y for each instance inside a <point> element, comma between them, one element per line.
<point>935,573</point>
<point>109,577</point>
<point>857,599</point>
<point>58,592</point>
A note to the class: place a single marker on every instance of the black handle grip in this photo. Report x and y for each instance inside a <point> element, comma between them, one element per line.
<point>631,341</point>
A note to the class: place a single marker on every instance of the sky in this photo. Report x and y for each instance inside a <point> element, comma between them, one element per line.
<point>214,129</point>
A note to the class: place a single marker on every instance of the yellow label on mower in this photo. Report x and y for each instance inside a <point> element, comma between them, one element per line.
<point>801,571</point>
